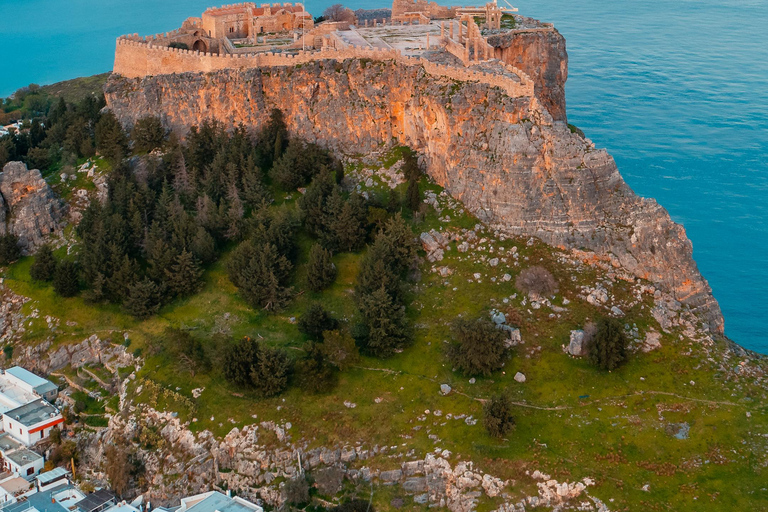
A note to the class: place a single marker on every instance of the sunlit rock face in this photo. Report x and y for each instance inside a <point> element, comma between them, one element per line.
<point>509,160</point>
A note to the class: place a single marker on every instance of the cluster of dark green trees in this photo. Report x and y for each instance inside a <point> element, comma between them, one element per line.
<point>168,215</point>
<point>55,133</point>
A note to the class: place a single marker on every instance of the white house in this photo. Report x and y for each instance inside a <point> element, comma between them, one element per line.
<point>214,501</point>
<point>25,463</point>
<point>55,478</point>
<point>32,383</point>
<point>16,458</point>
<point>32,422</point>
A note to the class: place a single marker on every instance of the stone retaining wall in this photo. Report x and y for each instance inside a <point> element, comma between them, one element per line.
<point>137,59</point>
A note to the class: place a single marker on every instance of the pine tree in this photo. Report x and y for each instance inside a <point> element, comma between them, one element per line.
<point>203,246</point>
<point>412,173</point>
<point>413,195</point>
<point>480,347</point>
<point>65,279</point>
<point>279,146</point>
<point>44,266</point>
<point>321,272</point>
<point>184,275</point>
<point>376,272</point>
<point>234,217</point>
<point>269,376</point>
<point>313,204</point>
<point>110,138</point>
<point>182,181</point>
<point>386,323</point>
<point>254,191</point>
<point>349,224</point>
<point>315,320</point>
<point>238,359</point>
<point>143,299</point>
<point>393,201</point>
<point>260,273</point>
<point>148,134</point>
<point>608,348</point>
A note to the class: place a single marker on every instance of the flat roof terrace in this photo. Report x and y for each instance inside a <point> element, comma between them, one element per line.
<point>409,39</point>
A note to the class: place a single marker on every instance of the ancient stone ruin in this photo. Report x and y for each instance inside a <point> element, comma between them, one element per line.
<point>483,106</point>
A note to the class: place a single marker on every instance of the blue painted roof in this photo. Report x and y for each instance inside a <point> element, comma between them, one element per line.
<point>218,502</point>
<point>41,501</point>
<point>27,376</point>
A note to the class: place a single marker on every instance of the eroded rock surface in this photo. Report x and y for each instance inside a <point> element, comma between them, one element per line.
<point>505,158</point>
<point>28,206</point>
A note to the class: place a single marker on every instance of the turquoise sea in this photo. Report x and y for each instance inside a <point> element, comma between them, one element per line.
<point>676,90</point>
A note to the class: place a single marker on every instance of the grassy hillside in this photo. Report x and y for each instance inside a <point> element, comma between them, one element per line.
<point>78,88</point>
<point>685,421</point>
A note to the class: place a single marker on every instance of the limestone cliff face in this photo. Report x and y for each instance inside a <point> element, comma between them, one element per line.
<point>28,206</point>
<point>539,52</point>
<point>504,158</point>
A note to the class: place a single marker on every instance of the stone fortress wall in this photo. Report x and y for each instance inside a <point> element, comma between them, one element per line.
<point>137,57</point>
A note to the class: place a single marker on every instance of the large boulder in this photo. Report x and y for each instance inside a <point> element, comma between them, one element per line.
<point>28,206</point>
<point>576,344</point>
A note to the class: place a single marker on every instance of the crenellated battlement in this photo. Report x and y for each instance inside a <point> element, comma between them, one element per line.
<point>137,57</point>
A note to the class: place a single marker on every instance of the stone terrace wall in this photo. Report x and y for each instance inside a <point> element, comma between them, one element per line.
<point>137,59</point>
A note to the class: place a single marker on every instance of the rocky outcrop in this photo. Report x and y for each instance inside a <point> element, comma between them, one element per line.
<point>540,53</point>
<point>44,358</point>
<point>28,206</point>
<point>505,158</point>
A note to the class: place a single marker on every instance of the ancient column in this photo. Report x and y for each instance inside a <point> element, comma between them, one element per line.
<point>442,29</point>
<point>451,29</point>
<point>427,41</point>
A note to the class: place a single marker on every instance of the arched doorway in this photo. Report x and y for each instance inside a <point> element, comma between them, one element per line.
<point>200,46</point>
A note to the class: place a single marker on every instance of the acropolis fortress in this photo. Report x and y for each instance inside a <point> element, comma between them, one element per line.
<point>448,41</point>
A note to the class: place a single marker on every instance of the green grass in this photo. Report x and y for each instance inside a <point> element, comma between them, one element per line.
<point>78,88</point>
<point>616,434</point>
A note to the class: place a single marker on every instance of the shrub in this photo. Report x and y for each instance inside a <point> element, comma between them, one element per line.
<point>9,249</point>
<point>296,491</point>
<point>339,349</point>
<point>65,279</point>
<point>44,266</point>
<point>480,347</point>
<point>608,347</point>
<point>315,320</point>
<point>329,480</point>
<point>315,374</point>
<point>321,272</point>
<point>355,505</point>
<point>497,415</point>
<point>536,280</point>
<point>179,45</point>
<point>247,364</point>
